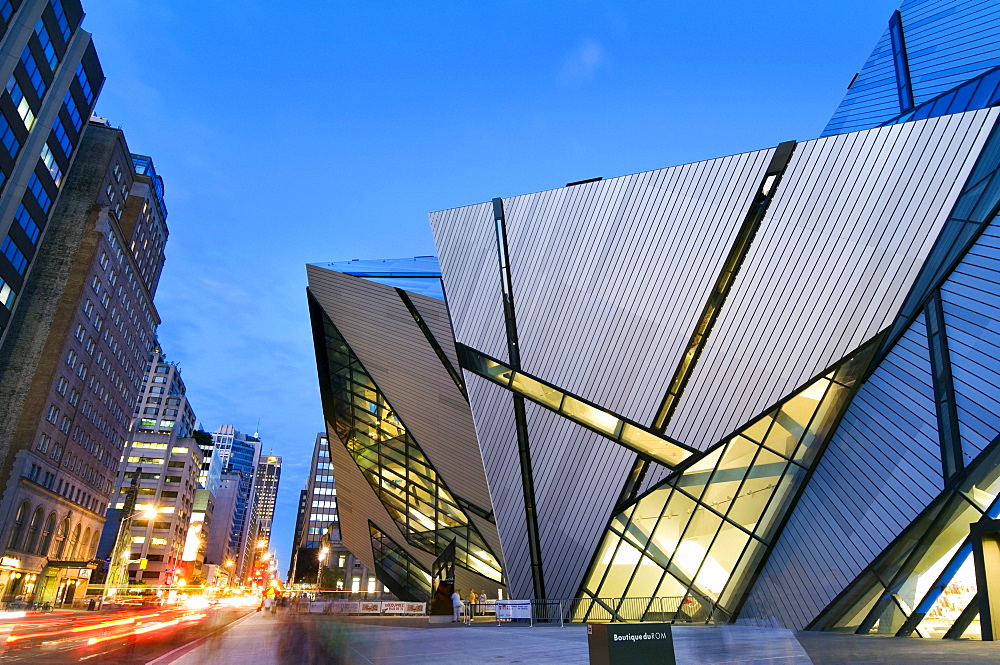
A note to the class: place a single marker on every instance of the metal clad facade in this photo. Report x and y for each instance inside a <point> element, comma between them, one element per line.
<point>494,416</point>
<point>611,277</point>
<point>393,350</point>
<point>971,299</point>
<point>852,221</point>
<point>467,249</point>
<point>882,467</point>
<point>578,477</point>
<point>947,43</point>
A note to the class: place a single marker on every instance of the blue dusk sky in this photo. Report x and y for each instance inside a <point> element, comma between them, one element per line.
<point>295,132</point>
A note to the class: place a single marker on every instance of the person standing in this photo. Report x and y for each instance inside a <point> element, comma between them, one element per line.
<point>456,607</point>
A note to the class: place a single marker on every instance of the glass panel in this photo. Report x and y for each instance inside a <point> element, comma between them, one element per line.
<point>929,563</point>
<point>953,600</point>
<point>819,429</point>
<point>730,473</point>
<point>757,489</point>
<point>600,420</point>
<point>601,563</point>
<point>645,515</point>
<point>692,549</point>
<point>536,390</point>
<point>721,560</point>
<point>668,532</point>
<point>779,501</point>
<point>694,479</point>
<point>646,580</point>
<point>620,567</point>
<point>758,430</point>
<point>793,418</point>
<point>868,592</point>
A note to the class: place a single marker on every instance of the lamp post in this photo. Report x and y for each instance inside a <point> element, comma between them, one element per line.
<point>319,565</point>
<point>118,552</point>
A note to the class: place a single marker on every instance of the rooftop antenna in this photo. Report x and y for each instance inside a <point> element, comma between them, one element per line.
<point>257,433</point>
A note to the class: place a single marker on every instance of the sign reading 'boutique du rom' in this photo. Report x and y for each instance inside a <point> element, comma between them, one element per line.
<point>630,644</point>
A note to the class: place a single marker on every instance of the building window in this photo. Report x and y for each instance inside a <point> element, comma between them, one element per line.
<point>34,75</point>
<point>7,294</point>
<point>69,102</point>
<point>27,223</point>
<point>21,102</point>
<point>53,414</point>
<point>38,191</point>
<point>43,443</point>
<point>18,529</point>
<point>81,76</point>
<point>50,164</point>
<point>14,255</point>
<point>61,19</point>
<point>8,138</point>
<point>62,138</point>
<point>43,38</point>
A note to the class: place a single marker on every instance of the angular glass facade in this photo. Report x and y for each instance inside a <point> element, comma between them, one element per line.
<point>697,538</point>
<point>924,583</point>
<point>397,570</point>
<point>405,481</point>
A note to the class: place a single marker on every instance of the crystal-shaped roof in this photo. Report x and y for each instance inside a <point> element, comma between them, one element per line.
<point>420,274</point>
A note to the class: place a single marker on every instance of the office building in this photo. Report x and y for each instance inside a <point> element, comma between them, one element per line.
<point>167,470</point>
<point>72,364</point>
<point>265,493</point>
<point>760,388</point>
<point>409,473</point>
<point>52,77</point>
<point>317,540</point>
<point>160,449</point>
<point>220,551</point>
<point>240,453</point>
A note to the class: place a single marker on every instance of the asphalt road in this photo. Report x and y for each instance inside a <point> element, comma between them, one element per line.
<point>130,637</point>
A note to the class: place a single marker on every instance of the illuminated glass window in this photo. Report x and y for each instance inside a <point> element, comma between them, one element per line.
<point>685,550</point>
<point>396,569</point>
<point>628,433</point>
<point>403,478</point>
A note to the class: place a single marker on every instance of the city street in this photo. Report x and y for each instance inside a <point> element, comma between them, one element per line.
<point>122,638</point>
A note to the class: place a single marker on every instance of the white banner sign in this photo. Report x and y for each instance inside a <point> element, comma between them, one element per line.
<point>513,609</point>
<point>370,607</point>
<point>393,607</point>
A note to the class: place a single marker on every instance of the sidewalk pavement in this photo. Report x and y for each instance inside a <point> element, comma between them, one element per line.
<point>259,639</point>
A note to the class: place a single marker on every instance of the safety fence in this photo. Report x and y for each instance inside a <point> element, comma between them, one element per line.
<point>580,610</point>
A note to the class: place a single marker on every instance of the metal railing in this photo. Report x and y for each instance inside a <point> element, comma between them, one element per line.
<point>676,609</point>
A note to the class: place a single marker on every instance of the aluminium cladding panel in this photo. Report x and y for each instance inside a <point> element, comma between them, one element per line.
<point>873,97</point>
<point>610,278</point>
<point>971,299</point>
<point>578,477</point>
<point>880,470</point>
<point>493,411</point>
<point>838,250</point>
<point>434,312</point>
<point>470,267</point>
<point>949,42</point>
<point>393,350</point>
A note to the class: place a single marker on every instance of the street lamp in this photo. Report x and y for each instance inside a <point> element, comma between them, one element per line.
<point>319,567</point>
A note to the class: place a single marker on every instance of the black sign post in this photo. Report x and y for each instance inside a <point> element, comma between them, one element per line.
<point>630,644</point>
